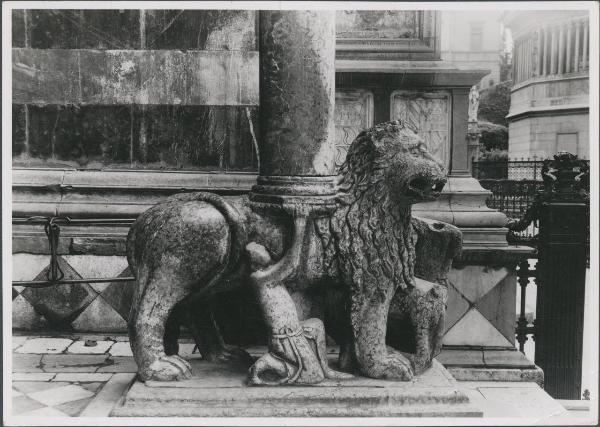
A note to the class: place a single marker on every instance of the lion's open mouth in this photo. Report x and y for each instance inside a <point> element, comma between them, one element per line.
<point>426,188</point>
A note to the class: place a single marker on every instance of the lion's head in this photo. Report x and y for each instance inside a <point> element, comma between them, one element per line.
<point>392,159</point>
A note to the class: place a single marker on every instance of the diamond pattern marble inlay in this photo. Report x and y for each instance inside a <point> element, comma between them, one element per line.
<point>60,304</point>
<point>489,295</point>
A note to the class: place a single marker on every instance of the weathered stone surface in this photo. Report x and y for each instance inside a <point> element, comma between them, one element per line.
<point>173,236</point>
<point>219,390</point>
<point>297,92</point>
<point>74,362</point>
<point>141,136</point>
<point>67,76</point>
<point>535,375</point>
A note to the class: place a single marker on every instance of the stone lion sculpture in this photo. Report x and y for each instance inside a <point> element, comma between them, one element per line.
<point>373,270</point>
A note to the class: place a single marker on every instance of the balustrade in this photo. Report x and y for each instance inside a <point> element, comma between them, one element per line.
<point>552,49</point>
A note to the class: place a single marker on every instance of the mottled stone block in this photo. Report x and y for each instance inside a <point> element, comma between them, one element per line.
<point>74,362</point>
<point>19,141</point>
<point>150,137</point>
<point>145,77</point>
<point>18,27</point>
<point>200,29</point>
<point>85,29</point>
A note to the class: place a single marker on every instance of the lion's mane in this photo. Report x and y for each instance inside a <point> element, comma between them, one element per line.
<point>369,239</point>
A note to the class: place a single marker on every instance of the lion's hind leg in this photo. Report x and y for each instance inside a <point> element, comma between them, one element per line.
<point>156,297</point>
<point>208,338</point>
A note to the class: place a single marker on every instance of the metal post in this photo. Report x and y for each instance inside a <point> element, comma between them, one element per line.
<point>564,215</point>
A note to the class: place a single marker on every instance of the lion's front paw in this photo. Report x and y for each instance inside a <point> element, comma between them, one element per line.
<point>168,368</point>
<point>392,367</point>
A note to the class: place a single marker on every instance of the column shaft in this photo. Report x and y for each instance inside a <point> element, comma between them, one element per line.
<point>297,92</point>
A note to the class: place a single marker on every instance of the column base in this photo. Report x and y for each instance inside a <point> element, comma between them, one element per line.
<point>462,203</point>
<point>290,191</point>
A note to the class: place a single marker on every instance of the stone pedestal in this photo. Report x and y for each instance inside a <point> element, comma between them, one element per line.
<point>218,390</point>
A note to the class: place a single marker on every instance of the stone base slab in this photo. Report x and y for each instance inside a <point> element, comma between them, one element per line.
<point>218,390</point>
<point>486,364</point>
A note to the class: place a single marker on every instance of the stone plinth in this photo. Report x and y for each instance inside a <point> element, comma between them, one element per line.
<point>218,390</point>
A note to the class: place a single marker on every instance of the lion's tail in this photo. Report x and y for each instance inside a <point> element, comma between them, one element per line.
<point>237,239</point>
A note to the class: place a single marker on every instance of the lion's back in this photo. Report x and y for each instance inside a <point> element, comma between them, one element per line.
<point>189,237</point>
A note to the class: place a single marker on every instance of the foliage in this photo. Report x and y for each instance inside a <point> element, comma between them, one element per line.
<point>494,103</point>
<point>493,136</point>
<point>493,155</point>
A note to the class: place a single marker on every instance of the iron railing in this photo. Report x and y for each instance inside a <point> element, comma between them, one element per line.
<point>515,169</point>
<point>52,228</point>
<point>525,326</point>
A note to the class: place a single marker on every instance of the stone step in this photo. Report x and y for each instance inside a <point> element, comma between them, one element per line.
<point>218,390</point>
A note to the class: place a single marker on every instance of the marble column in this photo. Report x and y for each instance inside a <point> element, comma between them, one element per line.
<point>297,98</point>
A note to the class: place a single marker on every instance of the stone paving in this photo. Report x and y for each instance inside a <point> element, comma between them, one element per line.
<point>66,377</point>
<point>87,376</point>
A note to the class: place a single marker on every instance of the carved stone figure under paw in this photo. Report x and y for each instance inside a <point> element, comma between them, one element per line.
<point>192,246</point>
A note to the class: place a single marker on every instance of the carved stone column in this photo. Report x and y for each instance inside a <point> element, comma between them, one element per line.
<point>297,98</point>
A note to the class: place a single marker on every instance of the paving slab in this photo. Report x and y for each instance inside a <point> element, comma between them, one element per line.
<point>82,376</point>
<point>26,363</point>
<point>104,402</point>
<point>119,364</point>
<point>73,409</point>
<point>22,404</point>
<point>74,362</point>
<point>35,386</point>
<point>44,345</point>
<point>530,402</point>
<point>45,412</point>
<point>59,395</point>
<point>33,376</point>
<point>79,347</point>
<point>121,349</point>
<point>17,340</point>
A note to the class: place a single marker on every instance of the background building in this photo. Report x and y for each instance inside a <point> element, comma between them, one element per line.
<point>473,38</point>
<point>549,109</point>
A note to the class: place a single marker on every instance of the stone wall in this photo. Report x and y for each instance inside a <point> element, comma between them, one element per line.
<point>481,302</point>
<point>539,136</point>
<point>184,137</point>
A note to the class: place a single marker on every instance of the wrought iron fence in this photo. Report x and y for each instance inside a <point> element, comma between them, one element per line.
<point>513,198</point>
<point>530,169</point>
<point>52,228</point>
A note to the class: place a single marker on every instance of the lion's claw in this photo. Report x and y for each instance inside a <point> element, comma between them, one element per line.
<point>397,367</point>
<point>169,368</point>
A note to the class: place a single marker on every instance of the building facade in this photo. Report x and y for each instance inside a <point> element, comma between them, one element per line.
<point>549,109</point>
<point>473,38</point>
<point>115,110</point>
